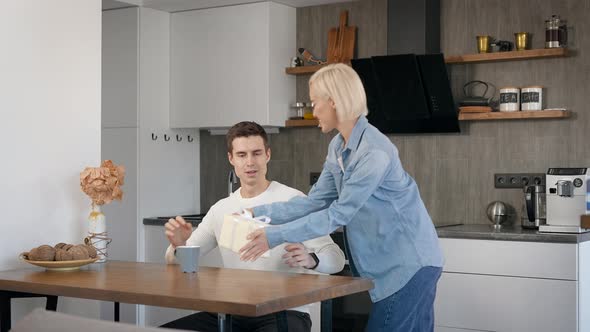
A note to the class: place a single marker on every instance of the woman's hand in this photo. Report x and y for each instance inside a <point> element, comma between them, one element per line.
<point>256,247</point>
<point>178,231</point>
<point>297,256</point>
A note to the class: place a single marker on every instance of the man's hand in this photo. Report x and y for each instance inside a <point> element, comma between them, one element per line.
<point>297,256</point>
<point>256,247</point>
<point>178,231</point>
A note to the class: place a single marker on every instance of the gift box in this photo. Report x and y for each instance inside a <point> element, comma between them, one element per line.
<point>236,228</point>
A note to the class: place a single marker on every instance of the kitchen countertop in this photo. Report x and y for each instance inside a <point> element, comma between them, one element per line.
<point>455,231</point>
<point>194,219</point>
<point>507,233</point>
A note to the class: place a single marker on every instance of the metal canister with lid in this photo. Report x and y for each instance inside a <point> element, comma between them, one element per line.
<point>531,98</point>
<point>509,99</point>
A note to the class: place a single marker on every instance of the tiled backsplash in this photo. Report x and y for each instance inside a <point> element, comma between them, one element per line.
<point>454,171</point>
<point>294,154</point>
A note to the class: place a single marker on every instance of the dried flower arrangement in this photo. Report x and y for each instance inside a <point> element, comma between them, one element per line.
<point>103,184</point>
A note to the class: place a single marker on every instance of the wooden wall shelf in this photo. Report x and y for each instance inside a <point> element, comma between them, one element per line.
<point>467,58</point>
<point>303,70</point>
<point>507,56</point>
<point>301,123</point>
<point>522,115</point>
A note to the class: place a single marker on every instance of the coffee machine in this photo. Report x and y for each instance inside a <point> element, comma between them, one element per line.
<point>533,209</point>
<point>567,192</point>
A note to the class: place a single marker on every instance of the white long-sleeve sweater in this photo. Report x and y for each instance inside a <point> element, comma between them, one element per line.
<point>208,232</point>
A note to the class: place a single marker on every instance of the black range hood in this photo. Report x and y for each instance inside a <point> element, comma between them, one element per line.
<point>408,93</point>
<point>413,27</point>
<point>408,90</point>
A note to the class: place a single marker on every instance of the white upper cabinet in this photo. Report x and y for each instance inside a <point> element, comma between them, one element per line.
<point>227,65</point>
<point>120,32</point>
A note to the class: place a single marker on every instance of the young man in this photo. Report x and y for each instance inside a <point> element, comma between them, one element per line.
<point>249,154</point>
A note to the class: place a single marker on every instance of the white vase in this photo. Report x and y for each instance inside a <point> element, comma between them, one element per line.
<point>97,232</point>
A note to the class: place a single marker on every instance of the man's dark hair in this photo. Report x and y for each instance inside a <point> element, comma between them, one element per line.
<point>245,129</point>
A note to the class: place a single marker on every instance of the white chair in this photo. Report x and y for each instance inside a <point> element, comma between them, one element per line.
<point>49,321</point>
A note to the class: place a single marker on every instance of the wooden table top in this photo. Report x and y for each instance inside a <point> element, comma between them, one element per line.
<point>230,291</point>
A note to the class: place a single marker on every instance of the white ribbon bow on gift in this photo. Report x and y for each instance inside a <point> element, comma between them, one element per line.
<point>236,228</point>
<point>248,215</point>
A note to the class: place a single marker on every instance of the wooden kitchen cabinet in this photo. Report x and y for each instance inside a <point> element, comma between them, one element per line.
<point>227,65</point>
<point>513,286</point>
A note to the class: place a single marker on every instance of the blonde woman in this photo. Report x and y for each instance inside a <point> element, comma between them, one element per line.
<point>389,235</point>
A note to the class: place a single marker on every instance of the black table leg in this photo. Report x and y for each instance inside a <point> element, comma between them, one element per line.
<point>326,316</point>
<point>282,324</point>
<point>51,304</point>
<point>224,322</point>
<point>116,311</point>
<point>5,310</point>
<point>4,313</point>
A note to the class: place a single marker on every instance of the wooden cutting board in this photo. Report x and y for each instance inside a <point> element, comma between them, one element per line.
<point>341,41</point>
<point>475,109</point>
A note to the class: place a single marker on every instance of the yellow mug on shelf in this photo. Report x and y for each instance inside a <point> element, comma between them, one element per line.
<point>484,44</point>
<point>522,41</point>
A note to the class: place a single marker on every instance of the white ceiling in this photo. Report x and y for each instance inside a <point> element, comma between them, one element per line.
<point>180,5</point>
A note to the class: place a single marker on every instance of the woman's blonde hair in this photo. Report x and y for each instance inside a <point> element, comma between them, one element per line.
<point>342,84</point>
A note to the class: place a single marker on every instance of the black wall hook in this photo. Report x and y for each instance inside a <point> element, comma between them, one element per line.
<point>166,138</point>
<point>189,138</point>
<point>178,138</point>
<point>154,137</point>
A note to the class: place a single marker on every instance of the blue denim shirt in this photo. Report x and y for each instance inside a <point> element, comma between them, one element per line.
<point>363,187</point>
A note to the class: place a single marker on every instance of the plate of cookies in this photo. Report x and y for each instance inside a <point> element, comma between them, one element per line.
<point>61,257</point>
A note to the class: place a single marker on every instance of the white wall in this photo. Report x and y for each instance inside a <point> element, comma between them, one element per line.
<point>49,128</point>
